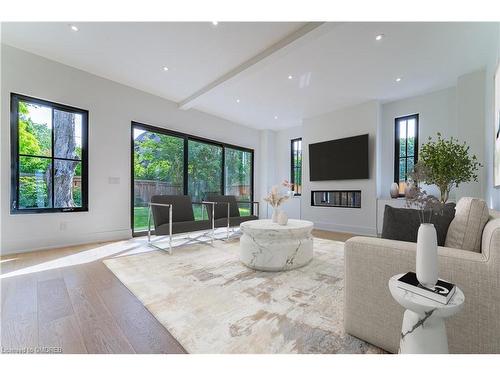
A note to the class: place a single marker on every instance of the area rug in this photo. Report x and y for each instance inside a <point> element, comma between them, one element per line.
<point>211,303</point>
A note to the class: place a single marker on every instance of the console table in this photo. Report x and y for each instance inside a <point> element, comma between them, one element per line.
<point>268,246</point>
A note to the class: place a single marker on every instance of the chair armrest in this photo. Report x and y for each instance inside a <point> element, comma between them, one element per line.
<point>160,204</point>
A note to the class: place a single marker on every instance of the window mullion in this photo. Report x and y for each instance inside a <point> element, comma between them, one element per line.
<point>52,161</point>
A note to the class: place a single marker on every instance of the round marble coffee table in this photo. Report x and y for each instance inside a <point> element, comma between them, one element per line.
<point>268,246</point>
<point>423,330</point>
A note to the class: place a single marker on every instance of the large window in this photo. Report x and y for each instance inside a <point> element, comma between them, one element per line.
<point>171,163</point>
<point>296,165</point>
<point>49,156</point>
<point>406,149</point>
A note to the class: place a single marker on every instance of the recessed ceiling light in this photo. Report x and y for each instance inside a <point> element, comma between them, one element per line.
<point>215,23</point>
<point>237,100</point>
<point>275,117</point>
<point>290,77</point>
<point>379,37</point>
<point>73,27</point>
<point>398,79</point>
<point>165,68</point>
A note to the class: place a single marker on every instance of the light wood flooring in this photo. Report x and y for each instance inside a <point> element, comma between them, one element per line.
<point>67,300</point>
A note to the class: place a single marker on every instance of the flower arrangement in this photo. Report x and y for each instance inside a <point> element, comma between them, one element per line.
<point>275,197</point>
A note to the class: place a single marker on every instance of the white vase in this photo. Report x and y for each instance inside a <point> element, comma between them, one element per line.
<point>282,218</point>
<point>394,190</point>
<point>276,212</point>
<point>427,259</point>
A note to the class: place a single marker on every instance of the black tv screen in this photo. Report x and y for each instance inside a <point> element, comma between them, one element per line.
<point>339,159</point>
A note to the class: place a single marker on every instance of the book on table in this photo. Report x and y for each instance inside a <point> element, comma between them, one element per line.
<point>442,292</point>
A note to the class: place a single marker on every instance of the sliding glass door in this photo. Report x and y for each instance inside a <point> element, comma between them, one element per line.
<point>158,162</point>
<point>238,177</point>
<point>171,163</point>
<point>204,173</point>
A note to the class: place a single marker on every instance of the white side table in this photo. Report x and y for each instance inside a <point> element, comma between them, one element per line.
<point>423,330</point>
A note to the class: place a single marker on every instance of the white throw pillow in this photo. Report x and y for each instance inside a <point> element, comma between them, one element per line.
<point>466,229</point>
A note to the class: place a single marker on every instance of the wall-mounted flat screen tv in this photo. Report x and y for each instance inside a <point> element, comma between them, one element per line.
<point>339,159</point>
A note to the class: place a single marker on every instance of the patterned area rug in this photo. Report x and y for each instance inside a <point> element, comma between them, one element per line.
<point>211,303</point>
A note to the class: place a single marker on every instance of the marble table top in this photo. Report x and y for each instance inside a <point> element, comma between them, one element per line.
<point>421,305</point>
<point>266,227</point>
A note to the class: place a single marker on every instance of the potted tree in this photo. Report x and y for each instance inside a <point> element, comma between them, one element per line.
<point>448,163</point>
<point>445,163</point>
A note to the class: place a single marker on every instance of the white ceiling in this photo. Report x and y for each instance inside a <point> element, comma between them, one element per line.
<point>333,66</point>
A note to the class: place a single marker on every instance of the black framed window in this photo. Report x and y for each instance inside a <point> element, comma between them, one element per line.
<point>170,162</point>
<point>405,149</point>
<point>296,165</point>
<point>49,156</point>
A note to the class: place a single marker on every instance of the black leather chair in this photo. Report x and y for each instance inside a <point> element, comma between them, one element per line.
<point>173,214</point>
<point>225,211</point>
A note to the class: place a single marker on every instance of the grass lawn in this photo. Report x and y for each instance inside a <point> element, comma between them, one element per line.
<point>141,216</point>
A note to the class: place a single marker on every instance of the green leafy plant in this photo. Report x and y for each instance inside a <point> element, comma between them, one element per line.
<point>448,163</point>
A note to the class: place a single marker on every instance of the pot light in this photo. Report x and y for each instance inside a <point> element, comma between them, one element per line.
<point>165,68</point>
<point>290,77</point>
<point>215,23</point>
<point>379,37</point>
<point>398,79</point>
<point>275,117</point>
<point>73,27</point>
<point>237,100</point>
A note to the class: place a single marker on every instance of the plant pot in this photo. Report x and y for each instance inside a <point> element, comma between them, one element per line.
<point>427,259</point>
<point>394,190</point>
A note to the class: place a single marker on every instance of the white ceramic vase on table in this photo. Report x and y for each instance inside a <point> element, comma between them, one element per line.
<point>394,190</point>
<point>276,212</point>
<point>427,259</point>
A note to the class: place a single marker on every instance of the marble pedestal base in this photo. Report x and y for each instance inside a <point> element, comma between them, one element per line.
<point>423,330</point>
<point>267,246</point>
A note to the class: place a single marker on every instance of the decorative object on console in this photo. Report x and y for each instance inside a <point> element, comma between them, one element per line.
<point>282,218</point>
<point>277,198</point>
<point>447,163</point>
<point>394,190</point>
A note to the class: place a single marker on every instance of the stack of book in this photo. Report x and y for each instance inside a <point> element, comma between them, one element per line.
<point>442,291</point>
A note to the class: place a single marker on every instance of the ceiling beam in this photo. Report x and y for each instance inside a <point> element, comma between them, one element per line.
<point>282,43</point>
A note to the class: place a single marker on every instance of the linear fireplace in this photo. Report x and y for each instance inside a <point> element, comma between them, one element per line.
<point>336,198</point>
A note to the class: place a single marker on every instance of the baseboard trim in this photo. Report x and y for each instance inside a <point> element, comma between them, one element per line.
<point>332,227</point>
<point>27,245</point>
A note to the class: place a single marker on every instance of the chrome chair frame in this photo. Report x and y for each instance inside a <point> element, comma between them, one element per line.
<point>170,235</point>
<point>253,203</point>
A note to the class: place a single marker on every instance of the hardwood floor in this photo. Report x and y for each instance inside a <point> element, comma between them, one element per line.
<point>66,300</point>
<point>80,308</point>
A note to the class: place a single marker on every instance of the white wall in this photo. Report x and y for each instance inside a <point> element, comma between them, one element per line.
<point>352,121</point>
<point>492,193</point>
<point>112,107</point>
<point>457,111</point>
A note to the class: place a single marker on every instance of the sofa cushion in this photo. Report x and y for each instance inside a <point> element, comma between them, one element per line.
<point>402,223</point>
<point>466,229</point>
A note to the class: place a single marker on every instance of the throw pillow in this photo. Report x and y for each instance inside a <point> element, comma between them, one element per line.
<point>402,224</point>
<point>466,229</point>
